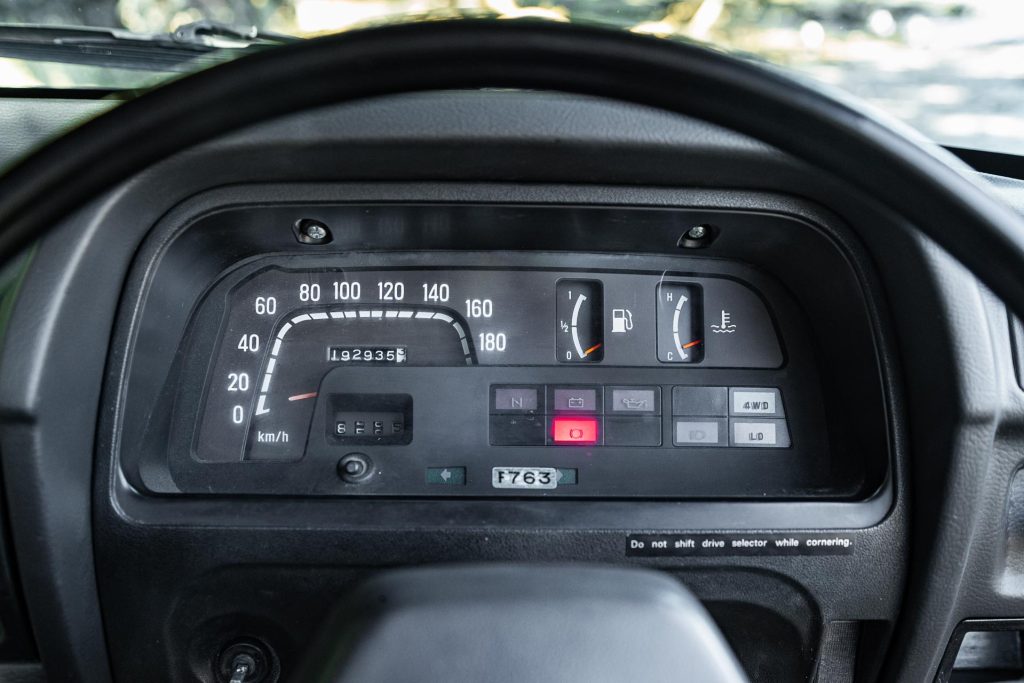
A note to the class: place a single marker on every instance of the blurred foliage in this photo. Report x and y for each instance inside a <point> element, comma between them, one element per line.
<point>952,68</point>
<point>700,18</point>
<point>788,32</point>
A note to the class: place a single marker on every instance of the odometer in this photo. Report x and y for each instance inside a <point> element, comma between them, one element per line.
<point>373,355</point>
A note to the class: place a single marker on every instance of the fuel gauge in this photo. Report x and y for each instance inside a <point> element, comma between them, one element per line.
<point>579,315</point>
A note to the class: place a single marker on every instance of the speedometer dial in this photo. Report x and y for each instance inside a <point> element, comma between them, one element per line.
<point>264,385</point>
<point>307,345</point>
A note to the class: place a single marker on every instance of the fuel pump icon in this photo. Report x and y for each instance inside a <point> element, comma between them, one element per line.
<point>622,320</point>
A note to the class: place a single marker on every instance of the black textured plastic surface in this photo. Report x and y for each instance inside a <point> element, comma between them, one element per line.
<point>511,623</point>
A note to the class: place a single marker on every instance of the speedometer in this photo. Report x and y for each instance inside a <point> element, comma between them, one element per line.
<point>304,345</point>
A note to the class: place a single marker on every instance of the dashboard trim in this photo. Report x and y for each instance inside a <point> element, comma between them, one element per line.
<point>510,514</point>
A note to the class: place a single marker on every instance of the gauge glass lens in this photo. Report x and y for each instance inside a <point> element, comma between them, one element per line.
<point>579,319</point>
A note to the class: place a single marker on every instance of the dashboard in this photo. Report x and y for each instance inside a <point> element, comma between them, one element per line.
<point>406,378</point>
<point>306,367</point>
<point>472,327</point>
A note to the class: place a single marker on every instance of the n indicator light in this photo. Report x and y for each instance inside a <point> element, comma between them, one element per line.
<point>574,430</point>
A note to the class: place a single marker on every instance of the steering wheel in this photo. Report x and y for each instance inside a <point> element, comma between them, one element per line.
<point>912,177</point>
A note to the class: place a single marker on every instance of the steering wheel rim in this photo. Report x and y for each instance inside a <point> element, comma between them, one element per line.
<point>913,177</point>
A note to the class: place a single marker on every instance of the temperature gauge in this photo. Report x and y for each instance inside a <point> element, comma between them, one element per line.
<point>579,315</point>
<point>680,324</point>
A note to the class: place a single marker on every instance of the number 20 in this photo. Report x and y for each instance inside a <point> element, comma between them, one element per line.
<point>238,381</point>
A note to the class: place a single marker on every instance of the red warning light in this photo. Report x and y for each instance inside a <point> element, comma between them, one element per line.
<point>582,430</point>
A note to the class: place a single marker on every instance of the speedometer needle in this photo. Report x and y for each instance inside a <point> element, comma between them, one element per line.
<point>589,351</point>
<point>300,397</point>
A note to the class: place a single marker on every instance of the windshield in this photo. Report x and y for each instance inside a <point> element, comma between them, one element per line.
<point>952,69</point>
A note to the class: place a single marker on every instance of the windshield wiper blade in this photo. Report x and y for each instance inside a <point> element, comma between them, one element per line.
<point>206,32</point>
<point>191,47</point>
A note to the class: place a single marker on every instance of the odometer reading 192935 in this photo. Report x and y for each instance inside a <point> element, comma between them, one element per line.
<point>368,355</point>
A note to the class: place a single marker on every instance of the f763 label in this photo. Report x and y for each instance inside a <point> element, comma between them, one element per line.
<point>524,477</point>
